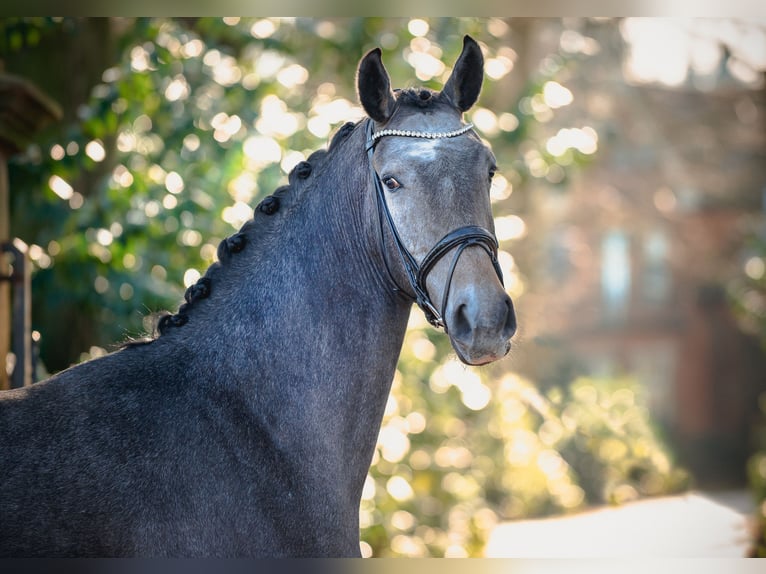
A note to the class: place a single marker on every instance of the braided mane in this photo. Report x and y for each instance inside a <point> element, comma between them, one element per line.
<point>284,196</point>
<point>299,179</point>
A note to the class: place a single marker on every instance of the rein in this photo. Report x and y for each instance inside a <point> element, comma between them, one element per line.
<point>458,239</point>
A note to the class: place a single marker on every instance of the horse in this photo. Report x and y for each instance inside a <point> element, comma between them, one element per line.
<point>245,425</point>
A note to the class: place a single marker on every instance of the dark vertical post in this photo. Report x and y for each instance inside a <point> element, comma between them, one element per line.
<point>5,287</point>
<point>21,322</point>
<point>24,111</point>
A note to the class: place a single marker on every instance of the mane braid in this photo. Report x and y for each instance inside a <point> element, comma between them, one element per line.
<point>298,178</point>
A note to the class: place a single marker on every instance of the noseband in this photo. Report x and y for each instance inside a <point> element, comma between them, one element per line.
<point>458,239</point>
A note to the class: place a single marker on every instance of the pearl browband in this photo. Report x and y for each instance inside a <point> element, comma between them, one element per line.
<point>416,134</point>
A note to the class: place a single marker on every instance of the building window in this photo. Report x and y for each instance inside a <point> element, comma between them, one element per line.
<point>656,277</point>
<point>559,256</point>
<point>615,274</point>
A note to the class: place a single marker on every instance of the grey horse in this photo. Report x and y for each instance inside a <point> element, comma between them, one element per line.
<point>246,424</point>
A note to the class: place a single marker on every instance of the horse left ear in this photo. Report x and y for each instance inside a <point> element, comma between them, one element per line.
<point>464,83</point>
<point>374,87</point>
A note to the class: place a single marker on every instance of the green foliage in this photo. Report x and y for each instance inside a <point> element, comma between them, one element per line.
<point>748,298</point>
<point>17,33</point>
<point>461,449</point>
<point>756,471</point>
<point>748,291</point>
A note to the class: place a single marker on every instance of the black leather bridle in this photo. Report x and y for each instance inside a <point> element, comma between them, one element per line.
<point>458,239</point>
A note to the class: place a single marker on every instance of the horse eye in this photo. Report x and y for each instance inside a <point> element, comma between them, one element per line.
<point>391,183</point>
<point>492,173</point>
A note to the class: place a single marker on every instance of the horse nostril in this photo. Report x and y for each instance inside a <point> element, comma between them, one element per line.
<point>461,325</point>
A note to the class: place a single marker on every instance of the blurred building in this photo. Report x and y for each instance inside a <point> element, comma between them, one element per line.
<point>628,262</point>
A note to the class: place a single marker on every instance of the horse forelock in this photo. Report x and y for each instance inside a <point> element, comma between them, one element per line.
<point>416,100</point>
<point>419,97</point>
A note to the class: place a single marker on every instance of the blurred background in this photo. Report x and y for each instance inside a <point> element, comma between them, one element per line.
<point>630,208</point>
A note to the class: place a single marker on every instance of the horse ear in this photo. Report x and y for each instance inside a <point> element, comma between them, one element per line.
<point>464,83</point>
<point>374,87</point>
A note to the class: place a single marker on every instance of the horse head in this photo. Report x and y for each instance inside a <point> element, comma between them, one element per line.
<point>432,175</point>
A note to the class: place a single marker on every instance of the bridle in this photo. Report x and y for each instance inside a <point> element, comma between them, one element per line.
<point>458,239</point>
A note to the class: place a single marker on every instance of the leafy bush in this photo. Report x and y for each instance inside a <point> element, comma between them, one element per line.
<point>757,477</point>
<point>461,450</point>
<point>748,297</point>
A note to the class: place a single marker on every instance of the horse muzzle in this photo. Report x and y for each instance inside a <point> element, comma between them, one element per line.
<point>481,324</point>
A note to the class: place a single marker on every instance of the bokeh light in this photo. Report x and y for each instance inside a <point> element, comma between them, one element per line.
<point>198,121</point>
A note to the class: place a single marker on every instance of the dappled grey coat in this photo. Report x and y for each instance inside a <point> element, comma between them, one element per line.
<point>247,426</point>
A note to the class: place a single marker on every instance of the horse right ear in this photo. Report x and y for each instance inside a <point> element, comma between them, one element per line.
<point>374,87</point>
<point>464,84</point>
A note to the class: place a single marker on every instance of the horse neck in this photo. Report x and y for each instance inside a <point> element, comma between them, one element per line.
<point>314,329</point>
